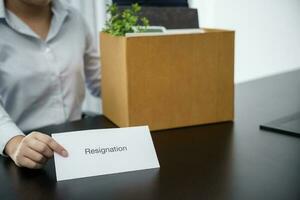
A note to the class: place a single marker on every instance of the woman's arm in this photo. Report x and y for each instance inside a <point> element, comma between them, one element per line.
<point>92,63</point>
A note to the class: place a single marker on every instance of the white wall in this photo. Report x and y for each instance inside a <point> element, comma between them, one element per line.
<point>267,33</point>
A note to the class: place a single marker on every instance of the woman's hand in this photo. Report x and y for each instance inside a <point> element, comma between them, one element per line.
<point>34,150</point>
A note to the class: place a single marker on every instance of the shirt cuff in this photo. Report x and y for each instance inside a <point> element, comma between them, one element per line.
<point>7,132</point>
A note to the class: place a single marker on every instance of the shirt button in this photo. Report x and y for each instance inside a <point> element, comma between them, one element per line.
<point>47,50</point>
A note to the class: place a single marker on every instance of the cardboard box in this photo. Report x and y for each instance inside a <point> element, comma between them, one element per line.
<point>168,81</point>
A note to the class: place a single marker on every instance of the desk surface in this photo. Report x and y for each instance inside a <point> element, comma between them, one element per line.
<point>235,161</point>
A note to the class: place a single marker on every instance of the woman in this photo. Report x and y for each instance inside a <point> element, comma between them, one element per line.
<point>47,55</point>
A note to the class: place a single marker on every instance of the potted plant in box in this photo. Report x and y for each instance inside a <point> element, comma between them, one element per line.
<point>165,81</point>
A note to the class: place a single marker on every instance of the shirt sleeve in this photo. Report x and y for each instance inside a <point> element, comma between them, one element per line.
<point>92,63</point>
<point>8,129</point>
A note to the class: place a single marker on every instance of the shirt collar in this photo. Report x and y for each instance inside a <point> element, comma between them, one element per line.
<point>60,11</point>
<point>2,9</point>
<point>59,6</point>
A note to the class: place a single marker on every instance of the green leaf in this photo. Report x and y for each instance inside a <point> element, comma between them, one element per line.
<point>119,24</point>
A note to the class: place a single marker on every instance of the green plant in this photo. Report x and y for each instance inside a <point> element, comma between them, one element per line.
<point>120,23</point>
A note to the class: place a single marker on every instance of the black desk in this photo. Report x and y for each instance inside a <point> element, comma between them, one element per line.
<point>234,161</point>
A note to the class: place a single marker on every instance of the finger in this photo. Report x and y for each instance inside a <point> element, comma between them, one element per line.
<point>40,147</point>
<point>35,156</point>
<point>52,144</point>
<point>26,162</point>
